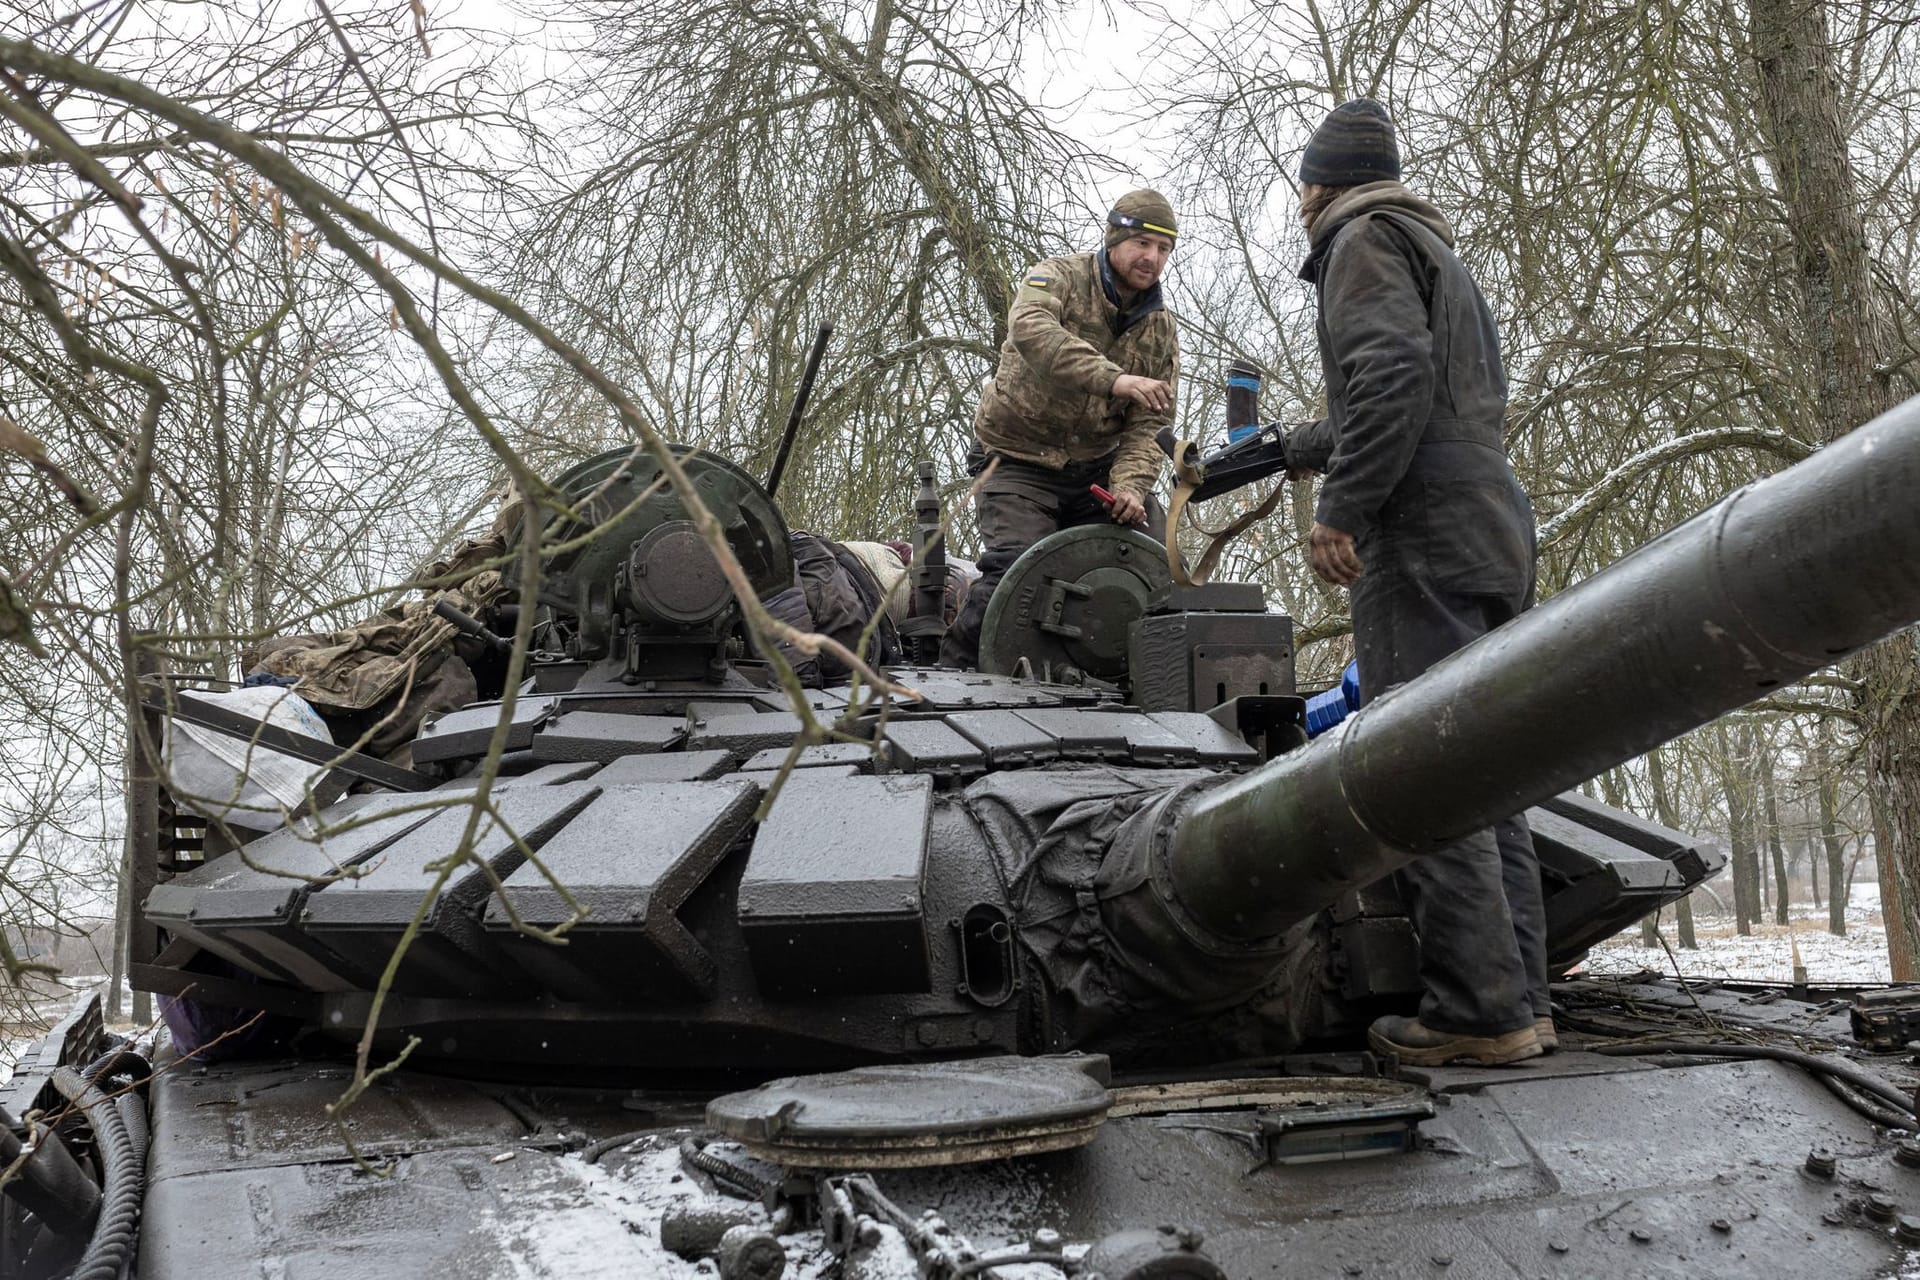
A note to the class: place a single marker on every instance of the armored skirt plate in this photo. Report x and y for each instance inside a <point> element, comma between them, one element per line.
<point>920,1115</point>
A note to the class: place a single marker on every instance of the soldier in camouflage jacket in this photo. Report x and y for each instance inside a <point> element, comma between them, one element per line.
<point>1086,377</point>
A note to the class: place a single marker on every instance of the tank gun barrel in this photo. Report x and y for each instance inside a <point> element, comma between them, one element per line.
<point>1781,578</point>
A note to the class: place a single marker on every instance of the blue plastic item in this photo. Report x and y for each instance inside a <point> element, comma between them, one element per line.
<point>1325,710</point>
<point>1243,401</point>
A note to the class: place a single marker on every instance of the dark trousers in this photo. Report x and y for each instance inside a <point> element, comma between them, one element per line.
<point>1021,503</point>
<point>1476,903</point>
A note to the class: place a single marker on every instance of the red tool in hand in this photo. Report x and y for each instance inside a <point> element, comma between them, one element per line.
<point>1106,499</point>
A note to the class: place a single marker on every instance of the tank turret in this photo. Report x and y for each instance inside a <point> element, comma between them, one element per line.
<point>1094,933</point>
<point>1117,840</point>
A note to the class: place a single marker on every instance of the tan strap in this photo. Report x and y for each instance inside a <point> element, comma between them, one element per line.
<point>1186,479</point>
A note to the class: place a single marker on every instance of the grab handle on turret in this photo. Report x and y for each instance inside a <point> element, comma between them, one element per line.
<point>468,625</point>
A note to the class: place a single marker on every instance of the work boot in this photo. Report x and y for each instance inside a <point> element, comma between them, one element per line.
<point>1548,1037</point>
<point>1418,1045</point>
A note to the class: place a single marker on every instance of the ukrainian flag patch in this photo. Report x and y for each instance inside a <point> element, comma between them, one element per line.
<point>1039,281</point>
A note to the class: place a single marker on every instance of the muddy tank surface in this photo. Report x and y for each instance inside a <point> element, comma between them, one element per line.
<point>1058,968</point>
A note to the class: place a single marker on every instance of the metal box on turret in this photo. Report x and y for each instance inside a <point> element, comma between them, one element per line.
<point>1200,646</point>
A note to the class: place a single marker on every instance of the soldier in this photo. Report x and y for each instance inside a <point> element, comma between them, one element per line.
<point>1421,517</point>
<point>1087,376</point>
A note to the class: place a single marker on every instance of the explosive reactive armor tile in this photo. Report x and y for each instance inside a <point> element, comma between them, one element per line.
<point>263,878</point>
<point>364,919</point>
<point>630,858</point>
<point>546,775</point>
<point>1006,737</point>
<point>765,778</point>
<point>242,905</point>
<point>605,735</point>
<point>1594,884</point>
<point>1695,859</point>
<point>815,757</point>
<point>831,898</point>
<point>467,732</point>
<point>943,690</point>
<point>931,746</point>
<point>1211,741</point>
<point>818,699</point>
<point>744,734</point>
<point>670,766</point>
<point>1111,735</point>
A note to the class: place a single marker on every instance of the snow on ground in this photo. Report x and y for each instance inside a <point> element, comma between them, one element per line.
<point>579,1219</point>
<point>1767,954</point>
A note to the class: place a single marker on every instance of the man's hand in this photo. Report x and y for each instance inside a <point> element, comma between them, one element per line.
<point>1149,393</point>
<point>1333,556</point>
<point>1127,508</point>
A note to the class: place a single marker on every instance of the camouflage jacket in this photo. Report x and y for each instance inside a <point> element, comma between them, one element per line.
<point>383,660</point>
<point>1050,401</point>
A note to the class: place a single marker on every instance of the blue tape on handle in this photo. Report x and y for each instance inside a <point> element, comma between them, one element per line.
<point>1244,382</point>
<point>1238,434</point>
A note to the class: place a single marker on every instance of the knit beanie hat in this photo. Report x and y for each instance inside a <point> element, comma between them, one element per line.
<point>1138,211</point>
<point>1354,144</point>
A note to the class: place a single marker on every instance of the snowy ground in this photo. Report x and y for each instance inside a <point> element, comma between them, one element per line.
<point>1767,954</point>
<point>44,1002</point>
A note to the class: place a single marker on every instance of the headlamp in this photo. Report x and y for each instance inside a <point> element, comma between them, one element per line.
<point>1128,222</point>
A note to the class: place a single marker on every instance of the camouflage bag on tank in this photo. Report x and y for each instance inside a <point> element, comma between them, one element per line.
<point>376,680</point>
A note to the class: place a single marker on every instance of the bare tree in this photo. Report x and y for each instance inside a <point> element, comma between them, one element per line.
<point>753,170</point>
<point>1844,320</point>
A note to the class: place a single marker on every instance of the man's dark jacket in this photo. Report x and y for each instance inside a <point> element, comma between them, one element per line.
<point>1412,447</point>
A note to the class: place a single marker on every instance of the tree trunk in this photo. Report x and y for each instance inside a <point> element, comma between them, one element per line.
<point>1896,903</point>
<point>1813,874</point>
<point>1746,864</point>
<point>1806,143</point>
<point>1773,840</point>
<point>1830,838</point>
<point>1663,811</point>
<point>122,930</point>
<point>1750,775</point>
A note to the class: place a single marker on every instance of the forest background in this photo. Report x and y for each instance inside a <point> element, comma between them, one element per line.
<point>290,291</point>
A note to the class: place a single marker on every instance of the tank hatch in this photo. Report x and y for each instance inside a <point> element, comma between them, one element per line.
<point>920,1115</point>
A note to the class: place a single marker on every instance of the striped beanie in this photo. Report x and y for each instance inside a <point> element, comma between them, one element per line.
<point>1354,144</point>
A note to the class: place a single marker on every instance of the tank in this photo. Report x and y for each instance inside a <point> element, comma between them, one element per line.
<point>661,966</point>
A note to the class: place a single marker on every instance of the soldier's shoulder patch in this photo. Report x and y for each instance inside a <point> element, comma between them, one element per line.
<point>1039,280</point>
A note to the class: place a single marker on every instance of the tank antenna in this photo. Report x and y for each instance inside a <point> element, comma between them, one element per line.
<point>799,407</point>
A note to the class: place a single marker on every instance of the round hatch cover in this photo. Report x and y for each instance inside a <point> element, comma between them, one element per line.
<point>1068,601</point>
<point>920,1114</point>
